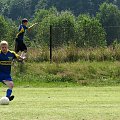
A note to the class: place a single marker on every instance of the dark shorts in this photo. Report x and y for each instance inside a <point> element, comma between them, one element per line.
<point>4,76</point>
<point>20,45</point>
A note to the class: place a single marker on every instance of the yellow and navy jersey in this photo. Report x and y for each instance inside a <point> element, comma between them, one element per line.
<point>6,61</point>
<point>22,29</point>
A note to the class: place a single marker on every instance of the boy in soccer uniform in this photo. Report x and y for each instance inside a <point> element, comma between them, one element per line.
<point>19,43</point>
<point>6,58</point>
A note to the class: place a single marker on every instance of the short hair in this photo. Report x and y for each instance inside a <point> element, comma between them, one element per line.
<point>3,43</point>
<point>24,20</point>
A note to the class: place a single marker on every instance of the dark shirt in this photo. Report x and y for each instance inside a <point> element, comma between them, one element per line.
<point>6,60</point>
<point>22,29</point>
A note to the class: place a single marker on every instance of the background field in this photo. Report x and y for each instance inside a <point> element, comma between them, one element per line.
<point>81,73</point>
<point>83,81</point>
<point>78,103</point>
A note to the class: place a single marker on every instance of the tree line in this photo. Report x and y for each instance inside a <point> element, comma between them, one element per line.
<point>98,28</point>
<point>26,8</point>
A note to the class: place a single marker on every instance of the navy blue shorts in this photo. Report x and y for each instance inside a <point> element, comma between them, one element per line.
<point>4,76</point>
<point>20,45</point>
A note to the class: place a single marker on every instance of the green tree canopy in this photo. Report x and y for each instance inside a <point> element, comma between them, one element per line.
<point>19,8</point>
<point>3,27</point>
<point>109,16</point>
<point>7,30</point>
<point>89,32</point>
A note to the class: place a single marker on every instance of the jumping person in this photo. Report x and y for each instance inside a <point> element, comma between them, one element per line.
<point>6,57</point>
<point>19,43</point>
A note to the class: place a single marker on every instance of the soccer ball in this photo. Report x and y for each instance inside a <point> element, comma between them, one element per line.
<point>4,101</point>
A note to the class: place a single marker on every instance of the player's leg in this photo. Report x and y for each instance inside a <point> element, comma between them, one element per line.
<point>20,46</point>
<point>23,50</point>
<point>7,80</point>
<point>17,46</point>
<point>10,85</point>
<point>17,49</point>
<point>24,54</point>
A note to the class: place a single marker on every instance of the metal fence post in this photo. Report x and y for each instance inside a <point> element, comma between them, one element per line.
<point>50,43</point>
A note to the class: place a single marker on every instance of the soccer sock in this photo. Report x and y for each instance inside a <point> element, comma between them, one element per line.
<point>8,93</point>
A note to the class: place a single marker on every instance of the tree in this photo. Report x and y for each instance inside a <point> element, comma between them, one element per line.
<point>117,2</point>
<point>40,14</point>
<point>63,29</point>
<point>26,8</point>
<point>89,32</point>
<point>109,16</point>
<point>1,7</point>
<point>7,30</point>
<point>3,27</point>
<point>95,6</point>
<point>62,26</point>
<point>19,8</point>
<point>42,4</point>
<point>76,6</point>
<point>85,31</point>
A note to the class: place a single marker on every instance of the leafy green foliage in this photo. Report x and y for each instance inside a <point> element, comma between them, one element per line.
<point>109,16</point>
<point>82,31</point>
<point>16,9</point>
<point>89,32</point>
<point>7,30</point>
<point>68,25</point>
<point>3,27</point>
<point>27,8</point>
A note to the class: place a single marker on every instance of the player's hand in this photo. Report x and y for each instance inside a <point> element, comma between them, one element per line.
<point>23,58</point>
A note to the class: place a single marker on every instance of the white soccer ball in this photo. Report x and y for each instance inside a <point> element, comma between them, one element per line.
<point>4,101</point>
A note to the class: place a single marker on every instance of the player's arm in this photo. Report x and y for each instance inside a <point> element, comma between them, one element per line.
<point>16,56</point>
<point>21,31</point>
<point>29,28</point>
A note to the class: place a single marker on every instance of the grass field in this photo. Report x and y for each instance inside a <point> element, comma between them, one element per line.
<point>78,103</point>
<point>81,73</point>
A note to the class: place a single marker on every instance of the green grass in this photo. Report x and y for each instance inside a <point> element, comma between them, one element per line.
<point>65,74</point>
<point>73,103</point>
